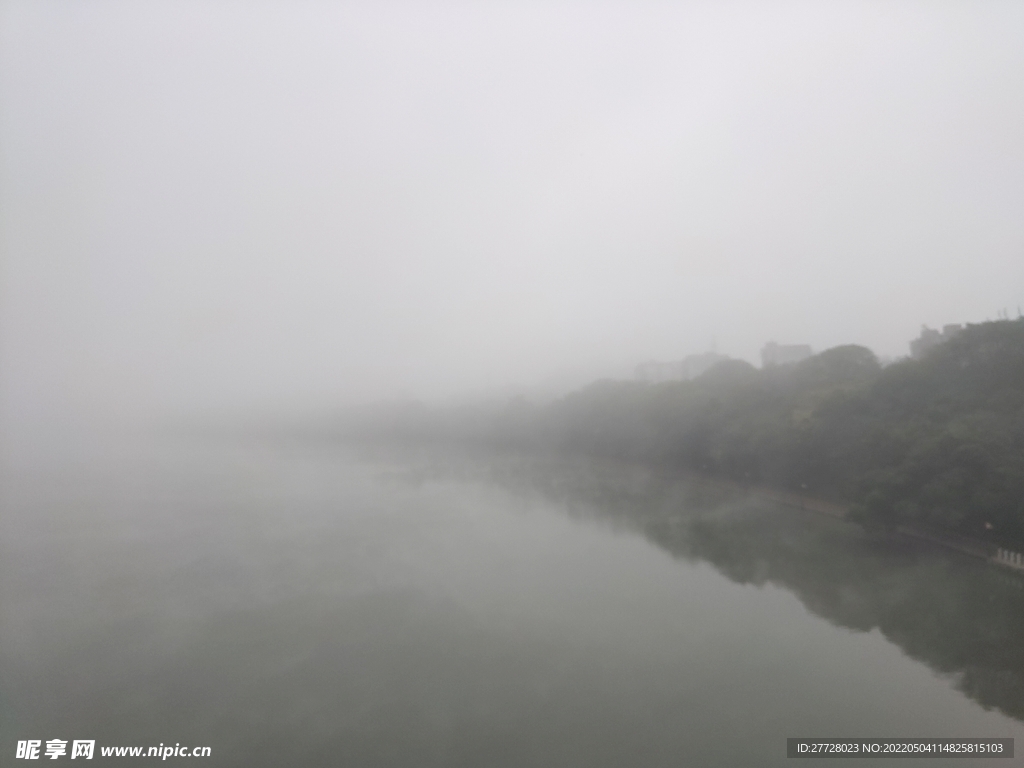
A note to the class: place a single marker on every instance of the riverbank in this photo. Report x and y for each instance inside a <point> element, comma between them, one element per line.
<point>999,556</point>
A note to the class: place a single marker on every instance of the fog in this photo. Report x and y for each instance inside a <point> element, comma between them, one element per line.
<point>215,205</point>
<point>282,215</point>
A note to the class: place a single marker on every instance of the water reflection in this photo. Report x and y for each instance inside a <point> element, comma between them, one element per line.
<point>962,617</point>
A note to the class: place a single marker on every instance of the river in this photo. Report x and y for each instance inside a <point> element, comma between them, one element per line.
<point>299,602</point>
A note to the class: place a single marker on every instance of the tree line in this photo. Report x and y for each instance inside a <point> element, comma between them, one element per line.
<point>932,442</point>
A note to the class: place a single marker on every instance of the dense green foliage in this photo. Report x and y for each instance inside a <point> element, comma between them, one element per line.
<point>937,441</point>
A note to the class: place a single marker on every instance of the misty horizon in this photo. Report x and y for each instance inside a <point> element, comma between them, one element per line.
<point>216,206</point>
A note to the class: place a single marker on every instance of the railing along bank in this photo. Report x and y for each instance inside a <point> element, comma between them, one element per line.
<point>1009,558</point>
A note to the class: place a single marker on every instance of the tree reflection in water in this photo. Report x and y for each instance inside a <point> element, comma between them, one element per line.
<point>962,617</point>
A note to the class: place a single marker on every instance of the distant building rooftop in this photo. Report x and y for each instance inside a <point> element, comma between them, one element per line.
<point>930,338</point>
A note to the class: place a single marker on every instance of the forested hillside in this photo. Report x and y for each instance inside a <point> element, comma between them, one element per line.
<point>937,441</point>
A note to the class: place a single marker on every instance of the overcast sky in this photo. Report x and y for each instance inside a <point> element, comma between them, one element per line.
<point>223,203</point>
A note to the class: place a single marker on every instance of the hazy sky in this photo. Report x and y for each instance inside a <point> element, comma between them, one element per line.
<point>236,203</point>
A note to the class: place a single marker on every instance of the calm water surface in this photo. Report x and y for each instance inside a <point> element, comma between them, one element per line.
<point>300,604</point>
